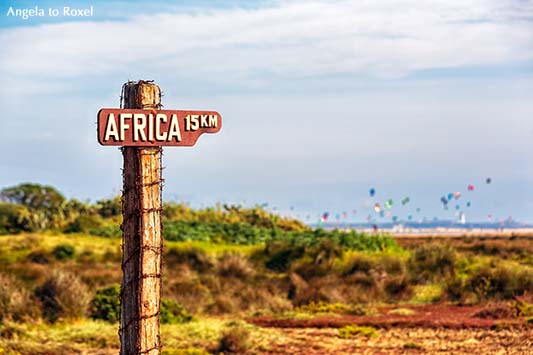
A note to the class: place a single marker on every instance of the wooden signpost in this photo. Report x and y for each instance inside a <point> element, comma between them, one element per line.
<point>142,128</point>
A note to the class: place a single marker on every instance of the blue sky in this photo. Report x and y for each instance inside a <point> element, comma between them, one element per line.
<point>321,101</point>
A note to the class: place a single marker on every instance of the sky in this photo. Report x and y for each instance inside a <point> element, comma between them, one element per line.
<point>321,101</point>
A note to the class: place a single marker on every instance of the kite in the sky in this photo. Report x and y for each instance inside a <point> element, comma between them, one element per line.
<point>372,192</point>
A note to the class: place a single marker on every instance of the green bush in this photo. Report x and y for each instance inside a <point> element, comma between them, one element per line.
<point>490,282</point>
<point>64,252</point>
<point>109,231</point>
<point>431,263</point>
<point>172,312</point>
<point>359,264</point>
<point>106,304</point>
<point>45,203</point>
<point>109,207</point>
<point>280,255</point>
<point>15,219</point>
<point>350,331</point>
<point>84,223</point>
<point>248,234</point>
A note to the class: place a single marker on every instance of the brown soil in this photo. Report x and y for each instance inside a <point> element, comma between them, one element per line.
<point>432,329</point>
<point>427,316</point>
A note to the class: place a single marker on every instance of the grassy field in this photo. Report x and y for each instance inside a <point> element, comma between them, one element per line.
<point>275,298</point>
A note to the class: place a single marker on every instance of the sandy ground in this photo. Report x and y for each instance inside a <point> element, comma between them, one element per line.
<point>311,341</point>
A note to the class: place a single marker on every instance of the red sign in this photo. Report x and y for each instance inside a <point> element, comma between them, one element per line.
<point>145,128</point>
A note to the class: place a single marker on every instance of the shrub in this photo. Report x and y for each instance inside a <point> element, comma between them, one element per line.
<point>15,301</point>
<point>246,233</point>
<point>64,252</point>
<point>109,207</point>
<point>432,262</point>
<point>172,312</point>
<point>523,308</point>
<point>63,295</point>
<point>192,256</point>
<point>15,219</point>
<point>106,304</point>
<point>349,331</point>
<point>308,269</point>
<point>39,257</point>
<point>496,312</point>
<point>234,340</point>
<point>359,264</point>
<point>393,265</point>
<point>83,224</point>
<point>44,202</point>
<point>223,304</point>
<point>235,265</point>
<point>340,308</point>
<point>397,288</point>
<point>490,282</point>
<point>109,231</point>
<point>280,255</point>
<point>499,282</point>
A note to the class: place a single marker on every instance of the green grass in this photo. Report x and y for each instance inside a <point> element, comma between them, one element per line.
<point>350,331</point>
<point>426,293</point>
<point>192,338</point>
<point>402,312</point>
<point>62,338</point>
<point>16,248</point>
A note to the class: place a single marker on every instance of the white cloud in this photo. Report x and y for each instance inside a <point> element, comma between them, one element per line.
<point>293,39</point>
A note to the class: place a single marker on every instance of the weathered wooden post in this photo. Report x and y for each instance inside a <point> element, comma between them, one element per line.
<point>142,242</point>
<point>141,128</point>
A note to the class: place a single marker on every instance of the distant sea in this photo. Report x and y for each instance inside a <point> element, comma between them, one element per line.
<point>447,224</point>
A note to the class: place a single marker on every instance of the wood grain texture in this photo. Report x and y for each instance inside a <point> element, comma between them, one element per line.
<point>142,238</point>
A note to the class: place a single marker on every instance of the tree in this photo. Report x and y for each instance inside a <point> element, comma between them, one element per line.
<point>15,218</point>
<point>44,202</point>
<point>110,207</point>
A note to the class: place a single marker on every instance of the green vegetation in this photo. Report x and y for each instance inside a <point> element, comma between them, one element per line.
<point>106,304</point>
<point>350,331</point>
<point>234,340</point>
<point>60,269</point>
<point>413,345</point>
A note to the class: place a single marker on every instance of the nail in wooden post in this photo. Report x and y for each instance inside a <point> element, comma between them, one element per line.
<point>142,235</point>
